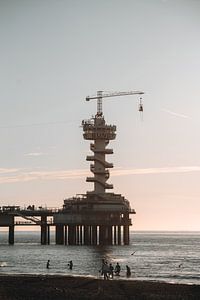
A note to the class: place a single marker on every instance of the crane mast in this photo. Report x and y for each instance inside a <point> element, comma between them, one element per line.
<point>101,94</point>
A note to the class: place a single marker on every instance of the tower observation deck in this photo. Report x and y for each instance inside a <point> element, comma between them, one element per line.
<point>97,217</point>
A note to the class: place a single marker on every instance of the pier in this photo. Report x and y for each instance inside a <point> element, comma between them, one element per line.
<point>85,226</point>
<point>95,218</point>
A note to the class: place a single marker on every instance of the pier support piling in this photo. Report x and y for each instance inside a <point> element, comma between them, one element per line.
<point>59,234</point>
<point>72,235</point>
<point>114,235</point>
<point>11,234</point>
<point>44,231</point>
<point>119,235</point>
<point>65,234</point>
<point>94,235</point>
<point>87,235</point>
<point>126,235</point>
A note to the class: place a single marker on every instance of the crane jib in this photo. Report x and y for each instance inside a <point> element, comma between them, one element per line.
<point>114,95</point>
<point>100,95</point>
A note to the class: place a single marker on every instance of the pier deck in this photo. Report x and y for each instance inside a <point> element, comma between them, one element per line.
<point>81,221</point>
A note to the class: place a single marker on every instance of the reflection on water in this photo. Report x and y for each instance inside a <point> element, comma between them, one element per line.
<point>171,257</point>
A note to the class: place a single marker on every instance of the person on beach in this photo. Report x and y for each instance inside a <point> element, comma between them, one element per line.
<point>128,271</point>
<point>101,270</point>
<point>105,271</point>
<point>70,264</point>
<point>111,269</point>
<point>48,264</point>
<point>117,269</point>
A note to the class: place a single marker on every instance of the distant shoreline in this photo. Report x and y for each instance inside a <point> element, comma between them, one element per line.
<point>53,287</point>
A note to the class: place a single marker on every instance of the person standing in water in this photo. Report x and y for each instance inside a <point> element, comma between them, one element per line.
<point>111,269</point>
<point>105,270</point>
<point>48,263</point>
<point>128,271</point>
<point>117,269</point>
<point>70,264</point>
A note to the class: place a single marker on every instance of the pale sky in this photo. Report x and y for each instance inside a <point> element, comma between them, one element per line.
<point>56,52</point>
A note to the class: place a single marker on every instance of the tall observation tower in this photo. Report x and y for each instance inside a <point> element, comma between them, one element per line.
<point>101,133</point>
<point>98,131</point>
<point>97,217</point>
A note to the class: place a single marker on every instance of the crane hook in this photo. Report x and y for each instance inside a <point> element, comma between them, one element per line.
<point>140,109</point>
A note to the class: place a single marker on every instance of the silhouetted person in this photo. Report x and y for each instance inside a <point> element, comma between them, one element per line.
<point>105,270</point>
<point>103,262</point>
<point>128,271</point>
<point>48,263</point>
<point>111,269</point>
<point>70,264</point>
<point>117,269</point>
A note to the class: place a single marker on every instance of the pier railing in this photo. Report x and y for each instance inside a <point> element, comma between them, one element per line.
<point>30,208</point>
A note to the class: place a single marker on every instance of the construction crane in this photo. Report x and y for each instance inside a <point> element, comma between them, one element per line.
<point>101,94</point>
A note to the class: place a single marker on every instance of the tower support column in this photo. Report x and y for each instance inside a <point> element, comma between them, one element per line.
<point>119,235</point>
<point>11,235</point>
<point>109,235</point>
<point>86,235</point>
<point>114,235</point>
<point>126,235</point>
<point>77,235</point>
<point>105,235</point>
<point>72,235</point>
<point>43,230</point>
<point>65,234</point>
<point>59,234</point>
<point>101,235</point>
<point>48,234</point>
<point>81,235</point>
<point>94,235</point>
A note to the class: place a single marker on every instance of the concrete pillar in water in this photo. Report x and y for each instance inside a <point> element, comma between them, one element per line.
<point>90,232</point>
<point>101,235</point>
<point>114,235</point>
<point>59,234</point>
<point>48,234</point>
<point>97,235</point>
<point>77,235</point>
<point>119,235</point>
<point>109,235</point>
<point>81,234</point>
<point>105,235</point>
<point>11,234</point>
<point>65,234</point>
<point>94,235</point>
<point>43,230</point>
<point>72,235</point>
<point>86,235</point>
<point>126,235</point>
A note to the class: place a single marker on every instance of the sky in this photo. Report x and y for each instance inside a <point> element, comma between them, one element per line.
<point>53,54</point>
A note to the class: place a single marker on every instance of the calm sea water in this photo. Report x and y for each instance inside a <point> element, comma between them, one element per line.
<point>159,256</point>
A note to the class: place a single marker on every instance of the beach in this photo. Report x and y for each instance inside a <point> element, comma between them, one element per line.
<point>54,287</point>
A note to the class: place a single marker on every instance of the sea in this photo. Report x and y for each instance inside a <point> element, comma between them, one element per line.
<point>172,257</point>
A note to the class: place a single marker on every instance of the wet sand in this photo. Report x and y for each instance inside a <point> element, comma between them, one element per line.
<point>44,287</point>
